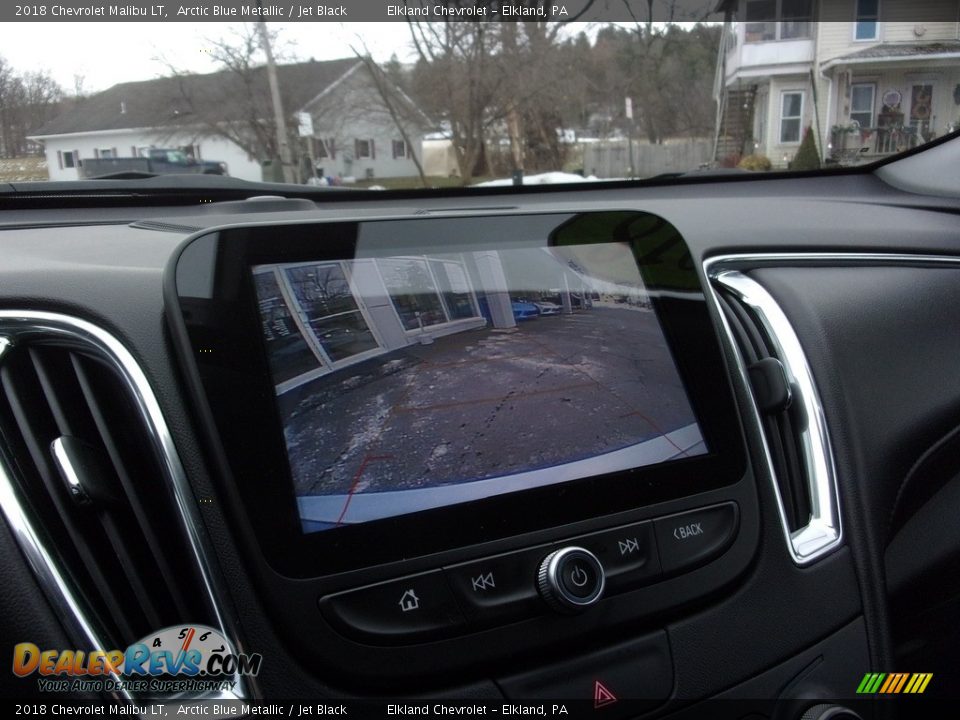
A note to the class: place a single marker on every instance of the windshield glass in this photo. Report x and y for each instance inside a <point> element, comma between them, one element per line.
<point>448,93</point>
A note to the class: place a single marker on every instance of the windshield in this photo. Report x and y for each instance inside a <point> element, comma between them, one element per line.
<point>451,93</point>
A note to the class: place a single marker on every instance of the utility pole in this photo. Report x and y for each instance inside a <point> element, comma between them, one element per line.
<point>279,116</point>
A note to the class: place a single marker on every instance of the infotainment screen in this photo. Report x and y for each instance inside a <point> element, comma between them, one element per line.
<point>422,379</point>
<point>382,388</point>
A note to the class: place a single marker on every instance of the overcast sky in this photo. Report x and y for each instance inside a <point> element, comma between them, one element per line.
<point>105,54</point>
<point>109,53</point>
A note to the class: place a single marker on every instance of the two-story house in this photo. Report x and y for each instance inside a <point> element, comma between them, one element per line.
<point>218,116</point>
<point>870,77</point>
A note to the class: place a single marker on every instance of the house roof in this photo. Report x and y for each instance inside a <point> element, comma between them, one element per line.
<point>902,50</point>
<point>167,101</point>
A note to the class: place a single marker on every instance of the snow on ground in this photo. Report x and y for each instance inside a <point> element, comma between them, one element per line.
<point>548,178</point>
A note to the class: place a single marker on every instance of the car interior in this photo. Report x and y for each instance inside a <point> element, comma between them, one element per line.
<point>718,478</point>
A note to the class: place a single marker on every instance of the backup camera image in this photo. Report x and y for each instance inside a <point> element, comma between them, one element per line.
<point>412,382</point>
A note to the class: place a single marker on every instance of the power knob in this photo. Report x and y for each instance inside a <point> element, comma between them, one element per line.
<point>829,712</point>
<point>570,579</point>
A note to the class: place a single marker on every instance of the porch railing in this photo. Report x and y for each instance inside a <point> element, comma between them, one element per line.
<point>852,143</point>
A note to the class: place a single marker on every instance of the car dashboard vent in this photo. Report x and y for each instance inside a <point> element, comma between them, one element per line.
<point>94,489</point>
<point>788,411</point>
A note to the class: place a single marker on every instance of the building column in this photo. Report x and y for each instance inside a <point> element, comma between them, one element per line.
<point>565,296</point>
<point>494,286</point>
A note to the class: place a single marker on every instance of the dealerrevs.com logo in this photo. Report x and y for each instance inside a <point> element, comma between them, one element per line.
<point>181,658</point>
<point>894,683</point>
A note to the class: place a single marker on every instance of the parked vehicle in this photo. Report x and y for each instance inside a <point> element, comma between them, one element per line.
<point>524,310</point>
<point>548,308</point>
<point>154,161</point>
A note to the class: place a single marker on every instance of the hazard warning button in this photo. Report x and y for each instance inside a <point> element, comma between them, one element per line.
<point>622,681</point>
<point>602,696</point>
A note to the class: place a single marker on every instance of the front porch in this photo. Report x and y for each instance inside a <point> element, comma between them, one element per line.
<point>892,97</point>
<point>852,144</point>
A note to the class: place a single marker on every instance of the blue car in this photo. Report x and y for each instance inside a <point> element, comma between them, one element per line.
<point>523,310</point>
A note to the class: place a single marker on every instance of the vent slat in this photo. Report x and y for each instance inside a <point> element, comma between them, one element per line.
<point>780,429</point>
<point>146,520</point>
<point>131,570</point>
<point>61,395</point>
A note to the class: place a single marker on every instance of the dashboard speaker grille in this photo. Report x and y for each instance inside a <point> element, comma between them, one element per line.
<point>88,483</point>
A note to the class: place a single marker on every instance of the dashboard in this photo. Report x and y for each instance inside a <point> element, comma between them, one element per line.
<point>683,448</point>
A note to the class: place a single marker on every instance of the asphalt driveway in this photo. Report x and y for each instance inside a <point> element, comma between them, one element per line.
<point>486,403</point>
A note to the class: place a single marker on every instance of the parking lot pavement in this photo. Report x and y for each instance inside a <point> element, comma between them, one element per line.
<point>484,403</point>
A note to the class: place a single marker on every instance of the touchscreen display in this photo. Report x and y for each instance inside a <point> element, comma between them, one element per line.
<point>412,381</point>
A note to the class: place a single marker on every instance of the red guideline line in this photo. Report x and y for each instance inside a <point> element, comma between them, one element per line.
<point>356,481</point>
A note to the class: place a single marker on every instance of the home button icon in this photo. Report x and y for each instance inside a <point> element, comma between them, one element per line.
<point>409,601</point>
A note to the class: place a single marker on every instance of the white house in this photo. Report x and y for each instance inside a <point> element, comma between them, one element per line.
<point>208,117</point>
<point>870,77</point>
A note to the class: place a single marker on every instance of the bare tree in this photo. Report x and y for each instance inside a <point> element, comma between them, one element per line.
<point>651,63</point>
<point>455,76</point>
<point>27,101</point>
<point>10,91</point>
<point>236,105</point>
<point>398,106</point>
<point>485,77</point>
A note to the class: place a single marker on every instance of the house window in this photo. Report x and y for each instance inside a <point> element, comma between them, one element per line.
<point>364,149</point>
<point>796,16</point>
<point>761,19</point>
<point>791,114</point>
<point>399,149</point>
<point>862,97</point>
<point>323,149</point>
<point>867,25</point>
<point>778,19</point>
<point>69,159</point>
<point>106,153</point>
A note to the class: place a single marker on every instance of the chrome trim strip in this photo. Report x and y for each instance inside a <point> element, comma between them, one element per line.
<point>737,261</point>
<point>26,327</point>
<point>58,592</point>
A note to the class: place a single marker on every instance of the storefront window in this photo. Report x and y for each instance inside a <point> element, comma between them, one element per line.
<point>455,288</point>
<point>343,335</point>
<point>412,291</point>
<point>331,310</point>
<point>287,351</point>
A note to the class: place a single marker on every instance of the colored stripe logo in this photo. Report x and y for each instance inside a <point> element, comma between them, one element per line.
<point>894,683</point>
